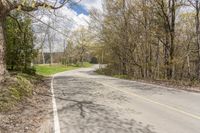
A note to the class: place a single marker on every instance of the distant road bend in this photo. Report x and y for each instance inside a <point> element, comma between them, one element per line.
<point>89,103</point>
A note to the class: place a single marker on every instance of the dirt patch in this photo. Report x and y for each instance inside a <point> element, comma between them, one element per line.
<point>31,113</point>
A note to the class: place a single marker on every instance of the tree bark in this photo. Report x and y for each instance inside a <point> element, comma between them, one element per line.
<point>50,49</point>
<point>198,38</point>
<point>188,65</point>
<point>172,36</point>
<point>157,71</point>
<point>2,52</point>
<point>43,58</point>
<point>166,57</point>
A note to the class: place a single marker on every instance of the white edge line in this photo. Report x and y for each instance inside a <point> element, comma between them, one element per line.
<point>55,112</point>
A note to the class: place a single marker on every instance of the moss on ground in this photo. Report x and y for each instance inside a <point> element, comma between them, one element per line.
<point>13,90</point>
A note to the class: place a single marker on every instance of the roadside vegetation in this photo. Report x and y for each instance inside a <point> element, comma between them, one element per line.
<point>20,77</point>
<point>16,88</point>
<point>154,40</point>
<point>188,85</point>
<point>47,70</point>
<point>25,60</point>
<point>137,39</point>
<point>25,43</point>
<point>25,102</point>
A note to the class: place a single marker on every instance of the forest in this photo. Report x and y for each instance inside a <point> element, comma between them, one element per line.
<point>150,39</point>
<point>144,39</point>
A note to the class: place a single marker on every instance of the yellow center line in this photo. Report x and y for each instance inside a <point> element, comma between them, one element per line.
<point>152,101</point>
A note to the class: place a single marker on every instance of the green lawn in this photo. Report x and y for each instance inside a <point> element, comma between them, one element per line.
<point>47,70</point>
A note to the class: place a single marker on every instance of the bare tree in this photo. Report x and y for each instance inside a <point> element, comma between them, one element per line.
<point>147,39</point>
<point>196,5</point>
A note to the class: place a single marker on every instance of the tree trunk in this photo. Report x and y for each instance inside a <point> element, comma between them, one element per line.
<point>198,38</point>
<point>172,37</point>
<point>157,71</point>
<point>198,73</point>
<point>188,66</point>
<point>2,53</point>
<point>50,50</point>
<point>43,58</point>
<point>167,57</point>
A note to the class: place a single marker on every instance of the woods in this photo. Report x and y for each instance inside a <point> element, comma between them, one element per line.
<point>152,39</point>
<point>6,6</point>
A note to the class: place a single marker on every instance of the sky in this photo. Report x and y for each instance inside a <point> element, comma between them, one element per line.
<point>69,18</point>
<point>78,12</point>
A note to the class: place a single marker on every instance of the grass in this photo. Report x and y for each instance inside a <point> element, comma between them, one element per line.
<point>47,70</point>
<point>87,64</point>
<point>13,91</point>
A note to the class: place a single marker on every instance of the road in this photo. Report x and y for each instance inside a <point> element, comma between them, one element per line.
<point>91,103</point>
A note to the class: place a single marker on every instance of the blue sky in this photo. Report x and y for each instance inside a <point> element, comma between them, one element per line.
<point>79,9</point>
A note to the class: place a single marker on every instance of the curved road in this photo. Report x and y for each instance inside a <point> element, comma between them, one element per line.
<point>91,103</point>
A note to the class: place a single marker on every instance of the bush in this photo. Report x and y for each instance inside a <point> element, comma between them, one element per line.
<point>94,60</point>
<point>31,71</point>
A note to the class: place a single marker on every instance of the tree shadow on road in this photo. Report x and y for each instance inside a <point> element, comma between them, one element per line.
<point>80,112</point>
<point>88,117</point>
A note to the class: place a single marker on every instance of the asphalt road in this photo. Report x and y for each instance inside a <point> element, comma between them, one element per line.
<point>91,103</point>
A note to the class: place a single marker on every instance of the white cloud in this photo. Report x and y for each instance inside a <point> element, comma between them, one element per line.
<point>65,20</point>
<point>89,4</point>
<point>82,20</point>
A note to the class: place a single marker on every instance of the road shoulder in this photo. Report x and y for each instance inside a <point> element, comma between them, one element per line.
<point>32,114</point>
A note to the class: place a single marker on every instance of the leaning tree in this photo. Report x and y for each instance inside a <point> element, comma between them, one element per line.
<point>6,6</point>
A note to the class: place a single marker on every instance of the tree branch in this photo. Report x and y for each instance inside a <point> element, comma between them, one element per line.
<point>23,7</point>
<point>19,26</point>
